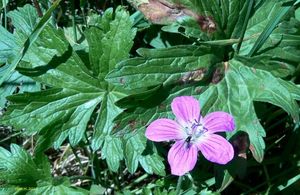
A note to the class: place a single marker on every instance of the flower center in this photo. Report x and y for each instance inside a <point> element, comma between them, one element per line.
<point>195,131</point>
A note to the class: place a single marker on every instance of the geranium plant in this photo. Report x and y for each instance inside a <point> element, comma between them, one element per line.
<point>91,90</point>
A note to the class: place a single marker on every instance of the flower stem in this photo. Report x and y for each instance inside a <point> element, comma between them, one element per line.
<point>73,20</point>
<point>178,187</point>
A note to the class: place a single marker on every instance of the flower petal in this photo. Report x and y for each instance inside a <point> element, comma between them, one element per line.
<point>186,109</point>
<point>182,157</point>
<point>164,130</point>
<point>218,121</point>
<point>215,148</point>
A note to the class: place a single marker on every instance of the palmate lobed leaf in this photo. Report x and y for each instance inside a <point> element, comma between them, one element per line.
<point>65,110</point>
<point>110,42</point>
<point>51,61</point>
<point>33,112</point>
<point>238,90</point>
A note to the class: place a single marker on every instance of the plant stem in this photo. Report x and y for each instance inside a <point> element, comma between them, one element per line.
<point>38,8</point>
<point>141,178</point>
<point>53,21</point>
<point>84,16</point>
<point>81,177</point>
<point>11,136</point>
<point>178,187</point>
<point>73,21</point>
<point>136,181</point>
<point>271,179</point>
<point>95,169</point>
<point>267,175</point>
<point>5,12</point>
<point>77,158</point>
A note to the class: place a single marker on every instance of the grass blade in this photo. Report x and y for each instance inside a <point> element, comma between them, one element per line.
<point>268,30</point>
<point>250,6</point>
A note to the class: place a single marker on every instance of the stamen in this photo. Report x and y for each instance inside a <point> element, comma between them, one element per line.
<point>196,124</point>
<point>204,129</point>
<point>196,129</point>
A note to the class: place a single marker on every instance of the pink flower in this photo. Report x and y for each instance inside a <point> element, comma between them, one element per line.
<point>193,133</point>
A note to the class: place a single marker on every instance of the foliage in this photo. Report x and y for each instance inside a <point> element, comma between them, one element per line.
<point>22,173</point>
<point>100,78</point>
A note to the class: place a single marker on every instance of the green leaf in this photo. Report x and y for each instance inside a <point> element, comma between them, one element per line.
<point>235,16</point>
<point>57,186</point>
<point>279,53</point>
<point>226,181</point>
<point>8,46</point>
<point>58,66</point>
<point>270,26</point>
<point>116,42</point>
<point>33,111</point>
<point>19,172</point>
<point>17,168</point>
<point>13,82</point>
<point>7,69</point>
<point>134,148</point>
<point>268,30</point>
<point>135,144</point>
<point>97,189</point>
<point>112,151</point>
<point>266,62</point>
<point>167,66</point>
<point>24,21</point>
<point>153,164</point>
<point>187,26</point>
<point>108,112</point>
<point>64,110</point>
<point>64,71</point>
<point>8,190</point>
<point>110,42</point>
<point>237,91</point>
<point>212,20</point>
<point>224,42</point>
<point>290,182</point>
<point>297,14</point>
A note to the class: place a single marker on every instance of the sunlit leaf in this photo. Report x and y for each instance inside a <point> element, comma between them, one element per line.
<point>65,110</point>
<point>173,65</point>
